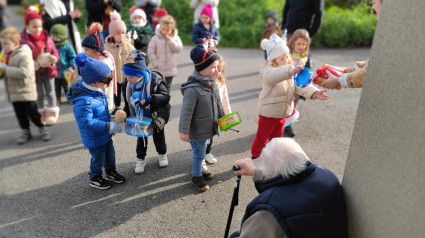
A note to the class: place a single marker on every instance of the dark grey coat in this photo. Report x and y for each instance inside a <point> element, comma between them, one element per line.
<point>201,108</point>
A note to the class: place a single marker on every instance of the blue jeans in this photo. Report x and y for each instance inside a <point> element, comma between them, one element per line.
<point>198,150</point>
<point>103,155</point>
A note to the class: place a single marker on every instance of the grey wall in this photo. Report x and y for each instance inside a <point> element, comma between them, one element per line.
<point>384,179</point>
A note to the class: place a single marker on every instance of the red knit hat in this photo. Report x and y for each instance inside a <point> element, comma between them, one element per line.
<point>160,13</point>
<point>207,10</point>
<point>30,13</point>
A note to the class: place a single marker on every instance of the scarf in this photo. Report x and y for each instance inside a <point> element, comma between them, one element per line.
<point>38,41</point>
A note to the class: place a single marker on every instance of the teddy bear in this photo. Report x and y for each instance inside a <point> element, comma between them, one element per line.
<point>46,59</point>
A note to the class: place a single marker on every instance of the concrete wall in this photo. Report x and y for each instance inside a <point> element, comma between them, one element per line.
<point>384,179</point>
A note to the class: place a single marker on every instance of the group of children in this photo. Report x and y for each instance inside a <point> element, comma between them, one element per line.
<point>117,66</point>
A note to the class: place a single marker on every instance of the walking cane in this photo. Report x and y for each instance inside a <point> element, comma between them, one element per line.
<point>235,201</point>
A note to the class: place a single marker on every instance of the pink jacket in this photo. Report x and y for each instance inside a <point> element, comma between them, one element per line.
<point>49,48</point>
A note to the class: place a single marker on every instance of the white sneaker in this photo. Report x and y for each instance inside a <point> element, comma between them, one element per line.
<point>204,165</point>
<point>163,161</point>
<point>210,158</point>
<point>140,166</point>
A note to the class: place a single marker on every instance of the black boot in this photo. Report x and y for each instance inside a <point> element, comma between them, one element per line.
<point>289,131</point>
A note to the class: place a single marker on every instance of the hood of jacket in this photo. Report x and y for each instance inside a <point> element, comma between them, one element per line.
<point>197,80</point>
<point>78,91</point>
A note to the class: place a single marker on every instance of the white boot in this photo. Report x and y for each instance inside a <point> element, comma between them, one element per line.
<point>140,166</point>
<point>204,165</point>
<point>163,161</point>
<point>52,114</point>
<point>210,158</point>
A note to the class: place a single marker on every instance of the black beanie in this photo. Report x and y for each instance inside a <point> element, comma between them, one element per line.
<point>202,57</point>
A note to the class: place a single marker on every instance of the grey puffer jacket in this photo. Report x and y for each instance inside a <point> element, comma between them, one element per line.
<point>201,108</point>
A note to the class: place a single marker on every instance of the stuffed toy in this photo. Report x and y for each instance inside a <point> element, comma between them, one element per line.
<point>120,116</point>
<point>46,59</point>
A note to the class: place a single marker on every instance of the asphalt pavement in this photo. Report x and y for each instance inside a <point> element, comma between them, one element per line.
<point>44,186</point>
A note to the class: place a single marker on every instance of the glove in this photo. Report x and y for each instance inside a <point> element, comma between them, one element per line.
<point>145,101</point>
<point>114,128</point>
<point>135,102</point>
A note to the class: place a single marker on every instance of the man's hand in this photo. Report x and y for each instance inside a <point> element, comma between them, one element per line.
<point>247,167</point>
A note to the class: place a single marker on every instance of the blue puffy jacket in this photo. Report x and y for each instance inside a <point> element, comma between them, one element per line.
<point>200,32</point>
<point>92,114</point>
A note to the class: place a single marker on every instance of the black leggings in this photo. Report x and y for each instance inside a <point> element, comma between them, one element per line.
<point>25,110</point>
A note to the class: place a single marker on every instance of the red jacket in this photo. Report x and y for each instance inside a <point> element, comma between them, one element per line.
<point>49,48</point>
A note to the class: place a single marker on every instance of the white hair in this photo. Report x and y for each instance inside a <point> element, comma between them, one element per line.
<point>283,156</point>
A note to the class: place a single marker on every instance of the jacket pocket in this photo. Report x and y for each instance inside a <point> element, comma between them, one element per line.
<point>201,127</point>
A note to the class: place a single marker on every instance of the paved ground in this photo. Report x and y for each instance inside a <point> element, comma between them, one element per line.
<point>44,188</point>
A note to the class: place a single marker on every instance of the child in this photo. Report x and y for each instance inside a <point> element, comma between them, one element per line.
<point>272,19</point>
<point>120,47</point>
<point>201,108</point>
<point>205,28</point>
<point>59,34</point>
<point>299,45</point>
<point>148,95</point>
<point>220,81</point>
<point>93,119</point>
<point>157,15</point>
<point>140,30</point>
<point>93,47</point>
<point>19,79</point>
<point>275,101</point>
<point>164,46</point>
<point>39,42</point>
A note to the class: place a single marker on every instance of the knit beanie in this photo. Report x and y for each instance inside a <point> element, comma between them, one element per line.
<point>95,39</point>
<point>116,25</point>
<point>61,32</point>
<point>203,57</point>
<point>31,16</point>
<point>160,13</point>
<point>207,10</point>
<point>92,70</point>
<point>274,47</point>
<point>135,64</point>
<point>135,11</point>
<point>31,12</point>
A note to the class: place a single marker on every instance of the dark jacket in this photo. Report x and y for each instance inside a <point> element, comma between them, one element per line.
<point>160,100</point>
<point>200,32</point>
<point>201,108</point>
<point>308,204</point>
<point>303,14</point>
<point>49,48</point>
<point>91,113</point>
<point>96,9</point>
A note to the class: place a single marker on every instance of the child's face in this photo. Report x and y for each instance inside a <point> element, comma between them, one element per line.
<point>377,7</point>
<point>270,21</point>
<point>55,38</point>
<point>132,80</point>
<point>282,60</point>
<point>300,45</point>
<point>119,37</point>
<point>220,69</point>
<point>210,71</point>
<point>165,30</point>
<point>205,19</point>
<point>8,45</point>
<point>35,26</point>
<point>90,52</point>
<point>136,20</point>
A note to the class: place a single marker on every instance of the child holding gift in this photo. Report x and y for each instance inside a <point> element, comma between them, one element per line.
<point>94,120</point>
<point>147,93</point>
<point>201,108</point>
<point>205,28</point>
<point>42,45</point>
<point>276,98</point>
<point>19,79</point>
<point>59,33</point>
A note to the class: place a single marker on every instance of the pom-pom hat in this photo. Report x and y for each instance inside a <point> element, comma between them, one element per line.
<point>92,70</point>
<point>95,39</point>
<point>135,11</point>
<point>207,10</point>
<point>116,25</point>
<point>160,12</point>
<point>135,64</point>
<point>32,12</point>
<point>274,47</point>
<point>203,57</point>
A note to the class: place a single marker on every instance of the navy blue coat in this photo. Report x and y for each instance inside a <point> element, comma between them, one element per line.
<point>200,32</point>
<point>309,204</point>
<point>92,114</point>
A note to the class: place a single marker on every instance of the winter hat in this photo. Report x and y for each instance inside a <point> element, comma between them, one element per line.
<point>92,70</point>
<point>116,25</point>
<point>203,57</point>
<point>59,30</point>
<point>95,39</point>
<point>207,10</point>
<point>272,15</point>
<point>274,47</point>
<point>31,12</point>
<point>135,64</point>
<point>160,13</point>
<point>31,16</point>
<point>135,11</point>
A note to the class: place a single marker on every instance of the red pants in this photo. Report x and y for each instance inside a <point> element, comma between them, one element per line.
<point>268,128</point>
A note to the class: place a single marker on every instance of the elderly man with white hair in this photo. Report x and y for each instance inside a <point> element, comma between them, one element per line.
<point>296,198</point>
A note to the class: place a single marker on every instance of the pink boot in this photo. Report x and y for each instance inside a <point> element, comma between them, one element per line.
<point>52,114</point>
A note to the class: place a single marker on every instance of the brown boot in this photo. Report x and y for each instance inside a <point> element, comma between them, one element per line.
<point>58,101</point>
